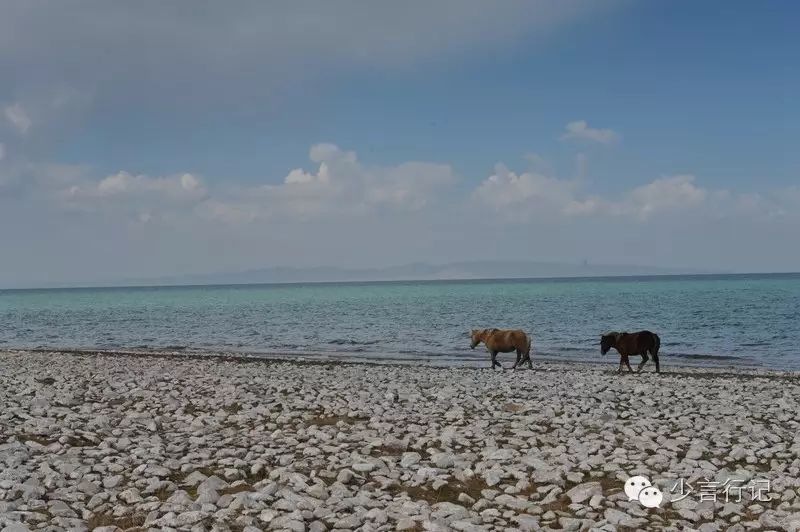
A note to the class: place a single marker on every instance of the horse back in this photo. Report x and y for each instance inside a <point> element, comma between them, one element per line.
<point>638,343</point>
<point>507,340</point>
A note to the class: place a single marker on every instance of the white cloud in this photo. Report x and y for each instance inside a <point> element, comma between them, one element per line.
<point>521,197</point>
<point>580,130</point>
<point>2,151</point>
<point>666,194</point>
<point>18,118</point>
<point>341,210</point>
<point>528,191</point>
<point>341,185</point>
<point>138,194</point>
<point>530,195</point>
<point>184,186</point>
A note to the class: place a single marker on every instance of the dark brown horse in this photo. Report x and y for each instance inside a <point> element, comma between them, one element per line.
<point>632,344</point>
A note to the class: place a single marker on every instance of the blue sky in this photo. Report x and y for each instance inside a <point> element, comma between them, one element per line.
<point>686,112</point>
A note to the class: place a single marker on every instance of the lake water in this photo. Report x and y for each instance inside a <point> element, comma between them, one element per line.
<point>730,320</point>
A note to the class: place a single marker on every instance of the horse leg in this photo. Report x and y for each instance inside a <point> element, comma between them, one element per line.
<point>643,362</point>
<point>519,356</point>
<point>494,360</point>
<point>621,362</point>
<point>528,358</point>
<point>654,351</point>
<point>627,363</point>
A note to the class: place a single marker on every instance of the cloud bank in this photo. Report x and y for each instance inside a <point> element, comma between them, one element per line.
<point>340,210</point>
<point>340,186</point>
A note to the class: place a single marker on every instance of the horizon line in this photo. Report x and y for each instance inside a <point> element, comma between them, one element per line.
<point>581,278</point>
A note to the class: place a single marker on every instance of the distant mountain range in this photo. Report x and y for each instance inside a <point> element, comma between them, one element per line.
<point>413,272</point>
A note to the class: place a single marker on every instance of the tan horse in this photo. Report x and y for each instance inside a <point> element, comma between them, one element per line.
<point>504,341</point>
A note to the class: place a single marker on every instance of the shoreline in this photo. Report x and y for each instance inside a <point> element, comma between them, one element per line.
<point>137,441</point>
<point>471,360</point>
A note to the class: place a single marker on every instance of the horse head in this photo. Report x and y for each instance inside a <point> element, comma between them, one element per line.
<point>607,341</point>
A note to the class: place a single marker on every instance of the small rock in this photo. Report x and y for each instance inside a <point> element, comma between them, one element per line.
<point>345,476</point>
<point>585,491</point>
<point>409,459</point>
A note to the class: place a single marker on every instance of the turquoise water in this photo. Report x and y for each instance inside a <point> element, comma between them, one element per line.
<point>750,320</point>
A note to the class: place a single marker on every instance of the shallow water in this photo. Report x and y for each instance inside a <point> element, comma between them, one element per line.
<point>730,320</point>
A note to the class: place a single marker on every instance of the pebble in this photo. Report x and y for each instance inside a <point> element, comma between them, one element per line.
<point>215,443</point>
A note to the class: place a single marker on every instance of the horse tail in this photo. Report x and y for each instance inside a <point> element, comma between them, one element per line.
<point>656,345</point>
<point>528,346</point>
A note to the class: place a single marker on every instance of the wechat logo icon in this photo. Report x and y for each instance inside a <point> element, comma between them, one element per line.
<point>640,489</point>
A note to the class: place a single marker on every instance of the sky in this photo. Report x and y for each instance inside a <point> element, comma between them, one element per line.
<point>166,138</point>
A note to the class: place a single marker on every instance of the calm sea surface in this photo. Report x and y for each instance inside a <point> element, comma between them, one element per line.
<point>730,320</point>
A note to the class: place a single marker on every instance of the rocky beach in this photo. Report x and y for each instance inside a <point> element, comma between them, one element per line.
<point>93,441</point>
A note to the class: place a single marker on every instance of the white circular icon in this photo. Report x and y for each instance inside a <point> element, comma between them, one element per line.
<point>651,497</point>
<point>634,485</point>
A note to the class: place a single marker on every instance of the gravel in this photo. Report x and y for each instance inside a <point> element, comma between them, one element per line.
<point>115,442</point>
